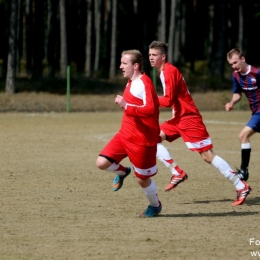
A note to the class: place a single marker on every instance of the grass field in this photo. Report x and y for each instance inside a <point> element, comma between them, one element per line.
<point>55,203</point>
<point>46,102</point>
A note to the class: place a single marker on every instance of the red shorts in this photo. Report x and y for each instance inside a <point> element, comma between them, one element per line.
<point>142,157</point>
<point>191,129</point>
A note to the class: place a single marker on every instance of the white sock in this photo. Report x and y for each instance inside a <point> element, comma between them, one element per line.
<point>246,146</point>
<point>151,194</point>
<point>116,168</point>
<point>164,156</point>
<point>227,172</point>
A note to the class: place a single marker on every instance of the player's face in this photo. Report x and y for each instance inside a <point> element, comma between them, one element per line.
<point>156,58</point>
<point>237,64</point>
<point>126,66</point>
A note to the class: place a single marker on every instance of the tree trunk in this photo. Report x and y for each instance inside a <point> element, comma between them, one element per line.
<point>210,40</point>
<point>63,40</point>
<point>51,33</point>
<point>19,12</point>
<point>135,4</point>
<point>240,26</point>
<point>219,49</point>
<point>88,39</point>
<point>163,21</point>
<point>29,37</point>
<point>38,40</point>
<point>183,31</point>
<point>106,14</point>
<point>112,71</point>
<point>11,61</point>
<point>97,30</point>
<point>176,52</point>
<point>106,34</point>
<point>171,31</point>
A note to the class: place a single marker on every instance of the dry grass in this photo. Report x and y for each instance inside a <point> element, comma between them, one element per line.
<point>44,102</point>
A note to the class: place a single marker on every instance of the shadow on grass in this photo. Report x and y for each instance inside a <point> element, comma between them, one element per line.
<point>249,201</point>
<point>210,214</point>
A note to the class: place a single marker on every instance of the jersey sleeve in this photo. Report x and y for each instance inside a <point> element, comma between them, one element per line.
<point>236,86</point>
<point>170,81</point>
<point>149,102</point>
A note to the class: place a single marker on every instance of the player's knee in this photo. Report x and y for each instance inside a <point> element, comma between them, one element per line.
<point>207,156</point>
<point>100,163</point>
<point>243,137</point>
<point>206,159</point>
<point>240,136</point>
<point>144,182</point>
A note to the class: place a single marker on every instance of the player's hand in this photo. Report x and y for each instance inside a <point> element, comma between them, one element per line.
<point>229,106</point>
<point>119,100</point>
<point>173,113</point>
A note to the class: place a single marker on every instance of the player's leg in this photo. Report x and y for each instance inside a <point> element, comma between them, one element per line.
<point>250,129</point>
<point>197,139</point>
<point>244,136</point>
<point>178,175</point>
<point>150,191</point>
<point>243,189</point>
<point>223,167</point>
<point>144,165</point>
<point>109,159</point>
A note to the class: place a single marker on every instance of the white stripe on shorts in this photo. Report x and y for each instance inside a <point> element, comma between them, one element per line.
<point>200,144</point>
<point>146,172</point>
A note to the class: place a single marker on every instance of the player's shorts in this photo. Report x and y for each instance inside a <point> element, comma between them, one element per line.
<point>191,129</point>
<point>142,157</point>
<point>254,122</point>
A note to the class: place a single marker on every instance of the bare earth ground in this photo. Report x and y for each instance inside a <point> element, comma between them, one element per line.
<point>55,203</point>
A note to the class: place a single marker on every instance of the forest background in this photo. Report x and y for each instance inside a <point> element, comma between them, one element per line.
<point>42,42</point>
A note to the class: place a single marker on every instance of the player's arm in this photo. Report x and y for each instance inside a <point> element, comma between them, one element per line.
<point>237,95</point>
<point>235,99</point>
<point>150,103</point>
<point>170,82</point>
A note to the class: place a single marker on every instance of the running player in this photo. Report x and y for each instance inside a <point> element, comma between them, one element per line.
<point>138,135</point>
<point>246,79</point>
<point>187,123</point>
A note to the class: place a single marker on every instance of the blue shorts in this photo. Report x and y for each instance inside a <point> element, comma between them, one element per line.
<point>254,122</point>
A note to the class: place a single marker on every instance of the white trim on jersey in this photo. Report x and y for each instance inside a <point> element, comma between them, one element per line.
<point>163,82</point>
<point>137,89</point>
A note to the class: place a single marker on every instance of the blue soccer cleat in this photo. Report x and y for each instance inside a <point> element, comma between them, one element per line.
<point>119,180</point>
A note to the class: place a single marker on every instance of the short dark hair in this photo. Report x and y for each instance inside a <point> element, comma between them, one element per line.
<point>162,46</point>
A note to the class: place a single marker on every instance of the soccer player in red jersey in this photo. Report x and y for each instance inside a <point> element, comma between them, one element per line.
<point>246,79</point>
<point>138,136</point>
<point>187,123</point>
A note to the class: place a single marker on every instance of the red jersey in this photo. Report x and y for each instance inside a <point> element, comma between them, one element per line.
<point>176,93</point>
<point>140,123</point>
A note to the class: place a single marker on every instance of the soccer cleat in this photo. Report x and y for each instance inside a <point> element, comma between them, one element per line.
<point>119,180</point>
<point>151,211</point>
<point>241,195</point>
<point>242,174</point>
<point>175,180</point>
